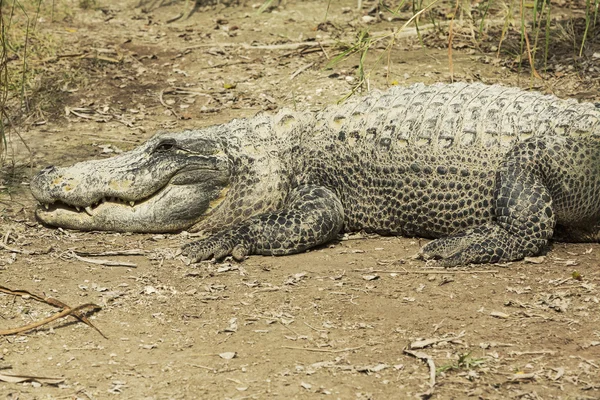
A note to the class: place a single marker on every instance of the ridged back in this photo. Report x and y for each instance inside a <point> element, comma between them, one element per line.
<point>459,114</point>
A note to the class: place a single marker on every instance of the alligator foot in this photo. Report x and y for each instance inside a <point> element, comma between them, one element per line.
<point>235,242</point>
<point>486,244</point>
<point>313,215</point>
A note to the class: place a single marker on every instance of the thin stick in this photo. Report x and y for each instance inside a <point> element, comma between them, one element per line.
<point>534,352</point>
<point>160,97</point>
<point>130,252</point>
<point>324,51</point>
<point>301,70</point>
<point>450,37</point>
<point>420,344</point>
<point>13,250</point>
<point>284,46</point>
<point>529,56</point>
<point>201,366</point>
<point>492,271</point>
<point>53,302</point>
<point>323,350</point>
<point>427,358</point>
<point>63,313</point>
<point>313,328</point>
<point>59,56</point>
<point>175,18</point>
<point>80,115</point>
<point>107,263</point>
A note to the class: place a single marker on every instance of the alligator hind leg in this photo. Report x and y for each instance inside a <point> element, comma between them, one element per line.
<point>313,215</point>
<point>524,215</point>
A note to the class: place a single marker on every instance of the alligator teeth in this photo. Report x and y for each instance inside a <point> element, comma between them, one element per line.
<point>104,199</point>
<point>46,206</point>
<point>77,208</point>
<point>132,203</point>
<point>88,210</point>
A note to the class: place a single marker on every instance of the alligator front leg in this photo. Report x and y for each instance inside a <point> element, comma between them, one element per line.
<point>313,215</point>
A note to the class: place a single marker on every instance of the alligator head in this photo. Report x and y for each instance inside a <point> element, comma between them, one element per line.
<point>169,183</point>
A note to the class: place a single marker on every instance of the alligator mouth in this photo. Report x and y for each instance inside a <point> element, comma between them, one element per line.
<point>90,209</point>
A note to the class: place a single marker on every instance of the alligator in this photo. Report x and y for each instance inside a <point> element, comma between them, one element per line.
<point>490,173</point>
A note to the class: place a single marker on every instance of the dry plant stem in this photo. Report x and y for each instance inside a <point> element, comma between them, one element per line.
<point>68,311</point>
<point>450,37</point>
<point>75,312</point>
<point>406,272</point>
<point>427,358</point>
<point>420,344</point>
<point>13,250</point>
<point>502,35</point>
<point>324,51</point>
<point>535,352</point>
<point>130,252</point>
<point>160,97</point>
<point>107,263</point>
<point>201,366</point>
<point>323,350</point>
<point>389,60</point>
<point>285,46</point>
<point>59,56</point>
<point>528,47</point>
<point>529,57</point>
<point>175,18</point>
<point>301,69</point>
<point>26,252</point>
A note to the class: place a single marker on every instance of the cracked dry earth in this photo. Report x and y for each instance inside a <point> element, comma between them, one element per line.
<point>358,319</point>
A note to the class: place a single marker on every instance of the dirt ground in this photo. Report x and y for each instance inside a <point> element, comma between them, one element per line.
<point>359,319</point>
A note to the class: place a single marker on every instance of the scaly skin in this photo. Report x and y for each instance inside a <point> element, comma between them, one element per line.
<point>492,173</point>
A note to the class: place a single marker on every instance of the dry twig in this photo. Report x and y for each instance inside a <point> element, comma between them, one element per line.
<point>107,263</point>
<point>323,350</point>
<point>26,252</point>
<point>76,312</point>
<point>420,344</point>
<point>427,358</point>
<point>406,272</point>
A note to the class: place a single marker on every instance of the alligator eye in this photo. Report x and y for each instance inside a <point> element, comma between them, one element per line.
<point>165,145</point>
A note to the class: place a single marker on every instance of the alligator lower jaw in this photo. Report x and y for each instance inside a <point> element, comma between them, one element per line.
<point>84,218</point>
<point>108,216</point>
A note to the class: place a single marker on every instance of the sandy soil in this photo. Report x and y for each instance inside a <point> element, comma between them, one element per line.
<point>346,321</point>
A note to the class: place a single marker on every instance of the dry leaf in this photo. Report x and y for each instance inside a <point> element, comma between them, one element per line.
<point>233,326</point>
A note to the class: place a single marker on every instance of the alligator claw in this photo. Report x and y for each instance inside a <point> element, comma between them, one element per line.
<point>218,247</point>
